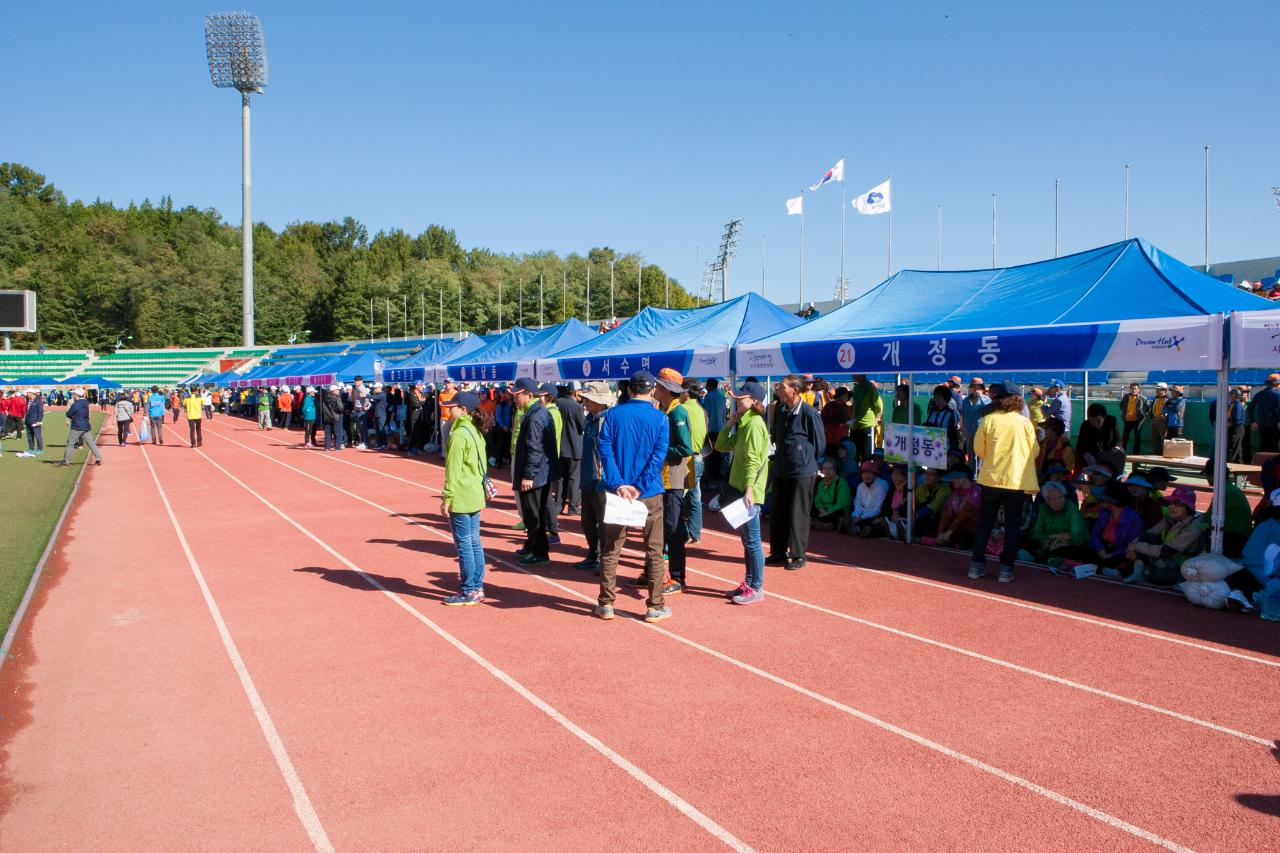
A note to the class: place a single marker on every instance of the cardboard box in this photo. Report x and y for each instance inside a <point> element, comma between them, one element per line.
<point>1178,448</point>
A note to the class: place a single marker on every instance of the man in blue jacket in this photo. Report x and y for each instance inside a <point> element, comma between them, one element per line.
<point>537,458</point>
<point>156,403</point>
<point>80,430</point>
<point>1264,414</point>
<point>633,447</point>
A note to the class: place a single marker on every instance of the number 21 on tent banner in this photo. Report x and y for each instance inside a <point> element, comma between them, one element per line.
<point>928,445</point>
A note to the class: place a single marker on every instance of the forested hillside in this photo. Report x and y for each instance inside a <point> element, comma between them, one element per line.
<point>171,276</point>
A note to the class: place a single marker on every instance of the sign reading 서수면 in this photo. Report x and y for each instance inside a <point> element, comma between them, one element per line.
<point>928,445</point>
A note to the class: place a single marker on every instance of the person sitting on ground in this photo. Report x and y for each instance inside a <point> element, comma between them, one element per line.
<point>961,512</point>
<point>1056,446</point>
<point>1097,478</point>
<point>931,498</point>
<point>894,512</point>
<point>832,500</point>
<point>1059,531</point>
<point>1099,433</point>
<point>1117,526</point>
<point>1261,555</point>
<point>1143,502</point>
<point>1238,518</point>
<point>1158,554</point>
<point>868,501</point>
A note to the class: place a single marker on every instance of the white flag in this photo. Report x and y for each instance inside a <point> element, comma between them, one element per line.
<point>795,206</point>
<point>876,200</point>
<point>835,173</point>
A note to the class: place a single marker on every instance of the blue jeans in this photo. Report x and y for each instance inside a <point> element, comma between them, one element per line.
<point>466,538</point>
<point>695,498</point>
<point>332,435</point>
<point>753,551</point>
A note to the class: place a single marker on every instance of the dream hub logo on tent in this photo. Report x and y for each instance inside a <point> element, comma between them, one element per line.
<point>1173,342</point>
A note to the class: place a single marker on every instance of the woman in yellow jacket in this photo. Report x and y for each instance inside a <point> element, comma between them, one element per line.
<point>1006,445</point>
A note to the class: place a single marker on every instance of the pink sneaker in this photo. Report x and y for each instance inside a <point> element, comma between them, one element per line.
<point>739,590</point>
<point>750,596</point>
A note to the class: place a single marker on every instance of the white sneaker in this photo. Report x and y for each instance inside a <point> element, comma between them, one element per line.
<point>25,455</point>
<point>361,447</point>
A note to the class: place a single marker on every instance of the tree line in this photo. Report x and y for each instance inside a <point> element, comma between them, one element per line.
<point>160,276</point>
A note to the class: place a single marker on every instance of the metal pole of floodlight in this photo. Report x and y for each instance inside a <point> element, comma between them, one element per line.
<point>237,55</point>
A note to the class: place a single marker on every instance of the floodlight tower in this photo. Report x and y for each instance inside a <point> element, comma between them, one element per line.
<point>728,248</point>
<point>238,60</point>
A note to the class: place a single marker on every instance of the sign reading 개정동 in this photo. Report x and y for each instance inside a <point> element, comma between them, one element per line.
<point>928,445</point>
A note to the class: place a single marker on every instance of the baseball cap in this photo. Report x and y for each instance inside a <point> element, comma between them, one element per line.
<point>1138,480</point>
<point>1274,497</point>
<point>599,392</point>
<point>956,473</point>
<point>753,390</point>
<point>78,392</point>
<point>526,384</point>
<point>976,382</point>
<point>1160,473</point>
<point>955,380</point>
<point>311,390</point>
<point>1164,385</point>
<point>670,378</point>
<point>547,389</point>
<point>1010,389</point>
<point>642,381</point>
<point>1101,468</point>
<point>1273,379</point>
<point>466,399</point>
<point>1055,383</point>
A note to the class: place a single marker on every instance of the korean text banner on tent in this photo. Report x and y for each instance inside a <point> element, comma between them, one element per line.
<point>1255,339</point>
<point>1178,343</point>
<point>703,361</point>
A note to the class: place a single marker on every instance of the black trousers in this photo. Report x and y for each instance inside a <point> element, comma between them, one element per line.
<point>1133,428</point>
<point>993,500</point>
<point>1268,439</point>
<point>861,437</point>
<point>711,472</point>
<point>533,512</point>
<point>1235,444</point>
<point>593,522</point>
<point>122,430</point>
<point>570,483</point>
<point>196,428</point>
<point>789,517</point>
<point>675,530</point>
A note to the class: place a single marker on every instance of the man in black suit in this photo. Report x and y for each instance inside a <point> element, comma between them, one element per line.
<point>537,458</point>
<point>574,420</point>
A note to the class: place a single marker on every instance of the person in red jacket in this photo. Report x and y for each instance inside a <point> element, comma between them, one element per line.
<point>835,420</point>
<point>18,412</point>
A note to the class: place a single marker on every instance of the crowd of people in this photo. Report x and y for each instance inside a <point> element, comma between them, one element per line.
<point>803,455</point>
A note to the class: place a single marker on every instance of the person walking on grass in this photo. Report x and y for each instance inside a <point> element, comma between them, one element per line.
<point>155,414</point>
<point>195,419</point>
<point>80,430</point>
<point>124,418</point>
<point>596,399</point>
<point>463,496</point>
<point>633,447</point>
<point>746,435</point>
<point>537,453</point>
<point>34,419</point>
<point>1005,442</point>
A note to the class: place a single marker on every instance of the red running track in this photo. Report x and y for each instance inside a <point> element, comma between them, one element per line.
<point>287,679</point>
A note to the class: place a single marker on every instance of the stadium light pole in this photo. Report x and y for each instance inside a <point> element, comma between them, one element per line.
<point>237,54</point>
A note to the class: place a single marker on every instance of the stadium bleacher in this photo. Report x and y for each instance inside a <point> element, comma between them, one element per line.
<point>16,364</point>
<point>134,368</point>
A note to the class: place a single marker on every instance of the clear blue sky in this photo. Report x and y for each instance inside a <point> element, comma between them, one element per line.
<point>645,126</point>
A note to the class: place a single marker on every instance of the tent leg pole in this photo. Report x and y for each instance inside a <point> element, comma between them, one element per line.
<point>911,456</point>
<point>1219,459</point>
<point>1086,394</point>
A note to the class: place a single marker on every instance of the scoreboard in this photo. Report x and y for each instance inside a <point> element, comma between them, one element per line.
<point>17,311</point>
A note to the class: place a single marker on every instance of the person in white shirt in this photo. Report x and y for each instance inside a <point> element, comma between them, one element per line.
<point>868,501</point>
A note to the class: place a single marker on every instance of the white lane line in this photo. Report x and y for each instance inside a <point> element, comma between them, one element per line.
<point>1025,670</point>
<point>1047,793</point>
<point>301,802</point>
<point>683,806</point>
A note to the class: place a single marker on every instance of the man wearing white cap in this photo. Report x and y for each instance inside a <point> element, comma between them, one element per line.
<point>1159,417</point>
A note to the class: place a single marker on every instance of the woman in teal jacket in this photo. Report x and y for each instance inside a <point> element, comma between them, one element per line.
<point>464,496</point>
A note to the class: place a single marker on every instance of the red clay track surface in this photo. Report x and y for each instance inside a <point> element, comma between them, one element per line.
<point>241,647</point>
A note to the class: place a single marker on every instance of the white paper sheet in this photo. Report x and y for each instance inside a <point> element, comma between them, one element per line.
<point>624,512</point>
<point>738,514</point>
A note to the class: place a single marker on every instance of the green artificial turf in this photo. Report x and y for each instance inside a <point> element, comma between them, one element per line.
<point>32,495</point>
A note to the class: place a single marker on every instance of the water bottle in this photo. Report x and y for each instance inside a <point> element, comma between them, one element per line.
<point>1271,600</point>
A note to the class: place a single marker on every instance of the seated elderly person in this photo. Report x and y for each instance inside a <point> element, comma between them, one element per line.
<point>868,501</point>
<point>961,512</point>
<point>1098,434</point>
<point>832,500</point>
<point>1158,554</point>
<point>1058,532</point>
<point>931,497</point>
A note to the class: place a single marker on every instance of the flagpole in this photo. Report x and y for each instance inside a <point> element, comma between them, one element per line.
<point>588,311</point>
<point>802,250</point>
<point>939,238</point>
<point>763,265</point>
<point>1206,210</point>
<point>993,230</point>
<point>890,266</point>
<point>666,277</point>
<point>564,295</point>
<point>841,282</point>
<point>1126,201</point>
<point>1057,183</point>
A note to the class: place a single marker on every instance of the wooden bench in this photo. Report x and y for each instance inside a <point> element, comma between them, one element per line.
<point>1241,475</point>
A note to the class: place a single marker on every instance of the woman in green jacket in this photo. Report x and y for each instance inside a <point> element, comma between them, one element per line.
<point>1059,530</point>
<point>747,436</point>
<point>832,501</point>
<point>463,496</point>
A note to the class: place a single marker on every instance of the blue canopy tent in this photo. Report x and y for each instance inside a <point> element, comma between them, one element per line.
<point>1124,306</point>
<point>45,380</point>
<point>511,357</point>
<point>97,381</point>
<point>425,366</point>
<point>695,341</point>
